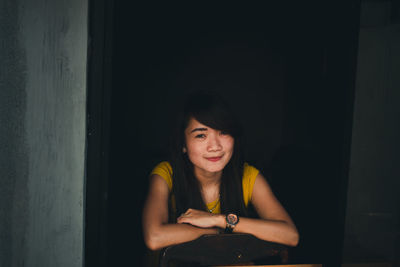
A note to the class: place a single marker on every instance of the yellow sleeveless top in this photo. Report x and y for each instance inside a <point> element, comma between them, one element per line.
<point>250,173</point>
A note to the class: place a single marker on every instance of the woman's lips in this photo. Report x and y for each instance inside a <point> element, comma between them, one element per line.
<point>214,159</point>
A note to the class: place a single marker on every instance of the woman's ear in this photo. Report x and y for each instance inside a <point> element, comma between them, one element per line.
<point>184,150</point>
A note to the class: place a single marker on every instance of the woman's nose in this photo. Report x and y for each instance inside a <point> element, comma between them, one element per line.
<point>214,143</point>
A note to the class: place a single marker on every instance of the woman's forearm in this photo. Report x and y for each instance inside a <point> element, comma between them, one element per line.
<point>171,234</point>
<point>269,230</point>
<point>279,231</point>
<point>273,231</point>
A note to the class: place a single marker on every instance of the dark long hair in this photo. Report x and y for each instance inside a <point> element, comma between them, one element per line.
<point>211,110</point>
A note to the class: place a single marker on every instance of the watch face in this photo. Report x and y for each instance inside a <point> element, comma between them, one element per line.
<point>232,218</point>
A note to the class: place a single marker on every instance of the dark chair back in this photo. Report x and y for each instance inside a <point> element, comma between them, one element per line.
<point>224,249</point>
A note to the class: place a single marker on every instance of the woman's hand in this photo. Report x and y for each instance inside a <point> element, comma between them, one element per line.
<point>202,219</point>
<point>157,232</point>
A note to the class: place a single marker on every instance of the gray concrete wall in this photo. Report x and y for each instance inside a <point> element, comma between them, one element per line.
<point>42,131</point>
<point>372,217</point>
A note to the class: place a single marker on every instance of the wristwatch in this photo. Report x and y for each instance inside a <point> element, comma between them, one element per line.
<point>231,220</point>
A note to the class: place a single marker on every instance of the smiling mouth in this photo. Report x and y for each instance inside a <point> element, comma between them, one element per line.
<point>214,159</point>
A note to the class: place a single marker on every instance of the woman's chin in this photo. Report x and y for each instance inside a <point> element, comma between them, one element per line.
<point>214,167</point>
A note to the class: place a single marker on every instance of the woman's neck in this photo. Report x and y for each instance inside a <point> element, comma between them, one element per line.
<point>207,179</point>
<point>209,184</point>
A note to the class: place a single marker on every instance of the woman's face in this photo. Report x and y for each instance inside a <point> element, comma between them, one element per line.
<point>208,149</point>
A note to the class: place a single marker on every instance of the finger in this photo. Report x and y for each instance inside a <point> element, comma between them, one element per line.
<point>183,220</point>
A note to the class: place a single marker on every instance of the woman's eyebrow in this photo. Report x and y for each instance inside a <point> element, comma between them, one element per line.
<point>198,129</point>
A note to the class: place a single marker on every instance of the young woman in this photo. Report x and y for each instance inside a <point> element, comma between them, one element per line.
<point>206,187</point>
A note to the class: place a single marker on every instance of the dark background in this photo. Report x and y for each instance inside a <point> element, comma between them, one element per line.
<point>72,185</point>
<point>289,72</point>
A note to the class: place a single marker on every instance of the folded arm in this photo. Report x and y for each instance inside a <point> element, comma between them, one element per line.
<point>158,233</point>
<point>274,225</point>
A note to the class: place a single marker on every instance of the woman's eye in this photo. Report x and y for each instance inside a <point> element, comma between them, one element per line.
<point>200,136</point>
<point>224,133</point>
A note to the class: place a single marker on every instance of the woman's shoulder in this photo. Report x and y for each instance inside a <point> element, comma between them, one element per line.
<point>165,165</point>
<point>164,169</point>
<point>249,177</point>
<point>249,171</point>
